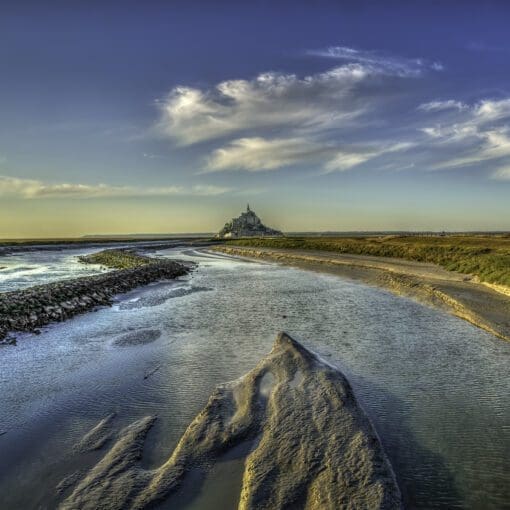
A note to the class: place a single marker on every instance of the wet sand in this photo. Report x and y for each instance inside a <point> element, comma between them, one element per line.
<point>487,307</point>
<point>310,445</point>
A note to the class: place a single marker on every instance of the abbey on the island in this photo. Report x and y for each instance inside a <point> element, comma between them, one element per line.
<point>248,224</point>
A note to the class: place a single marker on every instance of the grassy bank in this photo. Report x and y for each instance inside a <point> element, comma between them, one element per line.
<point>487,257</point>
<point>117,259</point>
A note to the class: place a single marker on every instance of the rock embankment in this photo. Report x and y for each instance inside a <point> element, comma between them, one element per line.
<point>312,447</point>
<point>29,309</point>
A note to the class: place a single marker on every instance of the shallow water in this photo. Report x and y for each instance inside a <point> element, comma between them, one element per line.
<point>436,388</point>
<point>21,270</point>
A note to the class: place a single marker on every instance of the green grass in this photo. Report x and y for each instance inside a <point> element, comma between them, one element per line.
<point>117,259</point>
<point>486,256</point>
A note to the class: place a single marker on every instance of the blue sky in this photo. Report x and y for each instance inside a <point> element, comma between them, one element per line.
<point>119,117</point>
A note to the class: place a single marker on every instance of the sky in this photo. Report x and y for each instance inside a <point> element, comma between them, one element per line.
<point>168,117</point>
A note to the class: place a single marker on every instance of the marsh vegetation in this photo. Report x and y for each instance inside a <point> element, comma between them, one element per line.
<point>117,259</point>
<point>484,256</point>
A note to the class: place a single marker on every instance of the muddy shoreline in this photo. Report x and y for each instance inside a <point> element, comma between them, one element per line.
<point>28,309</point>
<point>458,294</point>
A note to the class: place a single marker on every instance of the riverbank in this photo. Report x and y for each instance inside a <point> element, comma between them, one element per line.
<point>29,309</point>
<point>457,293</point>
<point>485,256</point>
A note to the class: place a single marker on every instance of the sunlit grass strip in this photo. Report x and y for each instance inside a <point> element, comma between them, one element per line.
<point>117,259</point>
<point>487,257</point>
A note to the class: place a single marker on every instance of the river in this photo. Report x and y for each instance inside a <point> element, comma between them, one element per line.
<point>435,387</point>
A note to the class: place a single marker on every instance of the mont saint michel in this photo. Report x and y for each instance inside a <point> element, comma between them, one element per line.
<point>248,224</point>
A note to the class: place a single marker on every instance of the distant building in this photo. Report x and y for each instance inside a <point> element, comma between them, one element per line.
<point>248,224</point>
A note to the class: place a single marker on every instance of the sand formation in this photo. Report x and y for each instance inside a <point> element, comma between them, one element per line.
<point>312,447</point>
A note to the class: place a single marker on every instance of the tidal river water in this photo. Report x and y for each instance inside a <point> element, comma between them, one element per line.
<point>22,270</point>
<point>436,388</point>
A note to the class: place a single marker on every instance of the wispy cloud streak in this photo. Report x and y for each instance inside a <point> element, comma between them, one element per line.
<point>337,120</point>
<point>259,154</point>
<point>438,106</point>
<point>35,189</point>
<point>397,65</point>
<point>479,133</point>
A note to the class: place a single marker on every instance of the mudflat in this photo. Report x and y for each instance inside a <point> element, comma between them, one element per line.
<point>485,306</point>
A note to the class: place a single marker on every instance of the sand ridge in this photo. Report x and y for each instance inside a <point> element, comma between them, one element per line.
<point>314,448</point>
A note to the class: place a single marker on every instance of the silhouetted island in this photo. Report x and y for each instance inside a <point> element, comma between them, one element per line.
<point>248,224</point>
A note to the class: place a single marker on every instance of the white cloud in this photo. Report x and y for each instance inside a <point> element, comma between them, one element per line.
<point>432,131</point>
<point>336,120</point>
<point>448,133</point>
<point>478,133</point>
<point>271,100</point>
<point>260,154</point>
<point>491,110</point>
<point>473,116</point>
<point>491,145</point>
<point>31,189</point>
<point>466,135</point>
<point>257,154</point>
<point>436,106</point>
<point>344,160</point>
<point>276,119</point>
<point>497,143</point>
<point>400,66</point>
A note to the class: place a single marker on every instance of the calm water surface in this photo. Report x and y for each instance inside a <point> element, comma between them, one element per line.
<point>436,388</point>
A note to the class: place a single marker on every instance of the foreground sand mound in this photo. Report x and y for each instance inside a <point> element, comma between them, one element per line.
<point>314,447</point>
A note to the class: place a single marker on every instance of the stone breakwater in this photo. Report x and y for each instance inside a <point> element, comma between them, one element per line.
<point>29,309</point>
